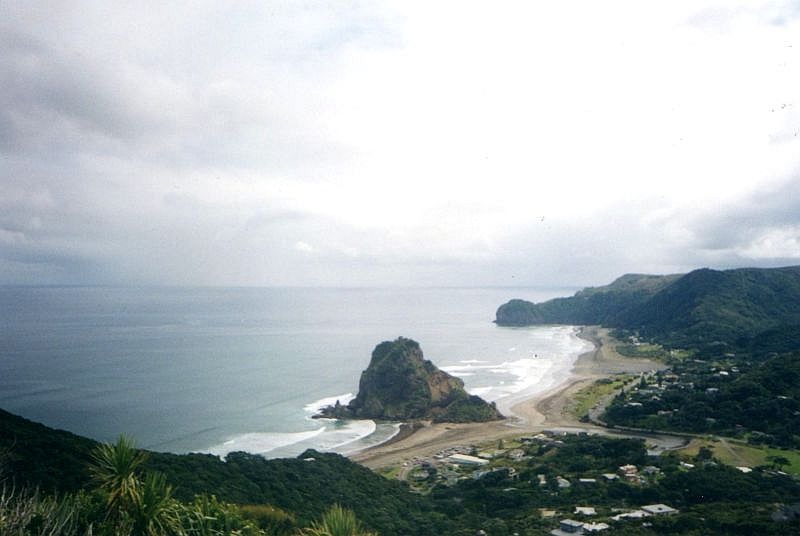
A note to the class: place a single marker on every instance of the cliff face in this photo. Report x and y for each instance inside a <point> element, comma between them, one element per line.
<point>400,384</point>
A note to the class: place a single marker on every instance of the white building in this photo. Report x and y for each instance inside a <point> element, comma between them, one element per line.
<point>465,459</point>
<point>659,509</point>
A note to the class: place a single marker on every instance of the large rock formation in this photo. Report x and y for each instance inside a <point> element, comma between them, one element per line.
<point>399,384</point>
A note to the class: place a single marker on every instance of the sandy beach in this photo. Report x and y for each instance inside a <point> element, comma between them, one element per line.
<point>547,410</point>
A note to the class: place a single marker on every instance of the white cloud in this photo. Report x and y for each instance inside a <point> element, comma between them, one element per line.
<point>397,141</point>
<point>304,247</point>
<point>782,243</point>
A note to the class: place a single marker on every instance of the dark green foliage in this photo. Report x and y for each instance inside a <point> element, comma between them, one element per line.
<point>301,486</point>
<point>712,500</point>
<point>711,309</point>
<point>601,305</point>
<point>469,409</point>
<point>764,399</point>
<point>748,309</point>
<point>53,460</point>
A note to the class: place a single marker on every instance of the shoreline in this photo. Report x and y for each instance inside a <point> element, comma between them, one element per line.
<point>541,411</point>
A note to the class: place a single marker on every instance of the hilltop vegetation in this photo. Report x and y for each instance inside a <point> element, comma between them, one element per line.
<point>590,306</point>
<point>748,309</point>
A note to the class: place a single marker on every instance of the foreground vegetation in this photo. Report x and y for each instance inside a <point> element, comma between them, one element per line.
<point>528,486</point>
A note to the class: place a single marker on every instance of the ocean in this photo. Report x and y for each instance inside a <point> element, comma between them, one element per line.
<point>225,369</point>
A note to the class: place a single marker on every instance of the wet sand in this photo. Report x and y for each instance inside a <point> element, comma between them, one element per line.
<point>545,411</point>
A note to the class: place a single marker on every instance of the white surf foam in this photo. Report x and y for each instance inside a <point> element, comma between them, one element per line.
<point>316,406</point>
<point>262,442</point>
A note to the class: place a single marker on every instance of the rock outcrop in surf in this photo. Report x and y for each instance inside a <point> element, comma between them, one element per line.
<point>399,384</point>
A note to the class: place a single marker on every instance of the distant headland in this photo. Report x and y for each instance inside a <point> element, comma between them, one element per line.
<point>728,311</point>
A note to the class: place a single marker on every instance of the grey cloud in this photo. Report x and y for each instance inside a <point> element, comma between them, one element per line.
<point>733,226</point>
<point>231,94</point>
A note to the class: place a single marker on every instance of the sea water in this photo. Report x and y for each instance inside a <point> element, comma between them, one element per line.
<point>225,369</point>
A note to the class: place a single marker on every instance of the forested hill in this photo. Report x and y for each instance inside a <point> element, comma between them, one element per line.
<point>748,308</point>
<point>35,456</point>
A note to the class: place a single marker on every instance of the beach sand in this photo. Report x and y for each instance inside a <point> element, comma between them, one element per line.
<point>544,411</point>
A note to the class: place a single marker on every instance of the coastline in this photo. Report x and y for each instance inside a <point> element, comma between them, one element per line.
<point>545,410</point>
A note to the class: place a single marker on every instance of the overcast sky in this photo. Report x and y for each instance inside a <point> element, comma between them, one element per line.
<point>396,143</point>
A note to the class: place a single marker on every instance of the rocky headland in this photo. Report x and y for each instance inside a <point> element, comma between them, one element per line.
<point>400,384</point>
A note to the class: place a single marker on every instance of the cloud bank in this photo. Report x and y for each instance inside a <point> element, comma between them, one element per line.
<point>395,143</point>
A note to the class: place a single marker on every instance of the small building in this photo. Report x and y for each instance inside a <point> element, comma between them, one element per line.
<point>627,470</point>
<point>635,514</point>
<point>562,482</point>
<point>591,528</point>
<point>585,510</point>
<point>466,459</point>
<point>659,510</point>
<point>570,526</point>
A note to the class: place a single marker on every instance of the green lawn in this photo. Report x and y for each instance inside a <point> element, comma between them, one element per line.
<point>590,395</point>
<point>737,453</point>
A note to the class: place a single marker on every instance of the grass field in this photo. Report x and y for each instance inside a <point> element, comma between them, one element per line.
<point>587,397</point>
<point>739,454</point>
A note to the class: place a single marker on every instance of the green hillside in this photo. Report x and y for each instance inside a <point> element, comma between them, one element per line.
<point>593,305</point>
<point>258,497</point>
<point>750,308</point>
<point>33,455</point>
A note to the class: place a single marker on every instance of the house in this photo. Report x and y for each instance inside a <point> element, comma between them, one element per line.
<point>591,528</point>
<point>570,526</point>
<point>562,482</point>
<point>636,514</point>
<point>465,459</point>
<point>585,510</point>
<point>659,509</point>
<point>628,470</point>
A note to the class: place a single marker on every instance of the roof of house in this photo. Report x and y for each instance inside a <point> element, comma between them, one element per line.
<point>658,509</point>
<point>467,460</point>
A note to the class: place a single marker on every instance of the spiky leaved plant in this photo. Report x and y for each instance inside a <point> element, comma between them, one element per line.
<point>114,469</point>
<point>337,521</point>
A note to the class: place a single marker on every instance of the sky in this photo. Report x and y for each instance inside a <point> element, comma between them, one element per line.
<point>406,143</point>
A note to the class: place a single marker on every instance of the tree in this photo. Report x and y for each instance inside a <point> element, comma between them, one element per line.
<point>154,512</point>
<point>705,454</point>
<point>114,470</point>
<point>778,462</point>
<point>337,521</point>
